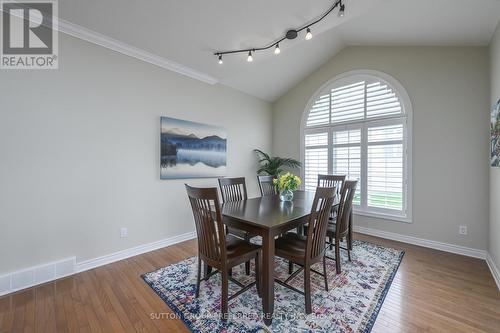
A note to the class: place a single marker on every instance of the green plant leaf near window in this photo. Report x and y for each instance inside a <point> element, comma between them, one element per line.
<point>273,165</point>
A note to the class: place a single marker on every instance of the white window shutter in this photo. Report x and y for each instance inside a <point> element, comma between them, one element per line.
<point>346,157</point>
<point>358,129</point>
<point>348,102</point>
<point>316,163</point>
<point>320,112</point>
<point>381,100</point>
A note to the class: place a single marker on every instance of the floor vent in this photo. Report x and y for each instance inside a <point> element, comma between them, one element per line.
<point>36,275</point>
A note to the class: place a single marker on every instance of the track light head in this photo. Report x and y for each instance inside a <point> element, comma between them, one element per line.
<point>342,10</point>
<point>309,35</point>
<point>277,49</point>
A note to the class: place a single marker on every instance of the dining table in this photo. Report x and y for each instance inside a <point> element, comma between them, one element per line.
<point>268,217</point>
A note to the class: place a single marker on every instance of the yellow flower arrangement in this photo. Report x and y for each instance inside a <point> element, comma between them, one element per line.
<point>288,181</point>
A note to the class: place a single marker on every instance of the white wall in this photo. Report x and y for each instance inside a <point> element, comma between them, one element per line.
<point>494,243</point>
<point>79,153</point>
<point>449,90</point>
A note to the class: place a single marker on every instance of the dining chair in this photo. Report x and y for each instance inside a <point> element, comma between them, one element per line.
<point>336,181</point>
<point>310,249</point>
<point>235,189</point>
<point>266,185</point>
<point>339,229</point>
<point>215,248</point>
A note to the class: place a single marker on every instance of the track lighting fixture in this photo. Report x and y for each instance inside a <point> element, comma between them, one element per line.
<point>290,34</point>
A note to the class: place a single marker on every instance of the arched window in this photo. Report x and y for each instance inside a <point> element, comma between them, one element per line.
<point>359,125</point>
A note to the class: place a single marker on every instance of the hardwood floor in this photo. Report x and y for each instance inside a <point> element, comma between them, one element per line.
<point>433,291</point>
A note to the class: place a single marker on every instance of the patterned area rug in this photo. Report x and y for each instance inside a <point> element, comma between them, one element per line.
<point>351,305</point>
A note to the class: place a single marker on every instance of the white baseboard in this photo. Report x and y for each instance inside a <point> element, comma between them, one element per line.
<point>465,251</point>
<point>36,275</point>
<point>124,254</point>
<point>462,250</point>
<point>494,269</point>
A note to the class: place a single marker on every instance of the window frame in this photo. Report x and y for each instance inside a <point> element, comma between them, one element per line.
<point>405,118</point>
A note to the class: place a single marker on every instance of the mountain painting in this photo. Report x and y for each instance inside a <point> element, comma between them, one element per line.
<point>191,150</point>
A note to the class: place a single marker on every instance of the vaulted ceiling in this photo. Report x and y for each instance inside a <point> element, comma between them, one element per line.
<point>189,31</point>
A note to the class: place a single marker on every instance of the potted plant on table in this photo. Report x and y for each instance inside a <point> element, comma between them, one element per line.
<point>285,185</point>
<point>273,166</point>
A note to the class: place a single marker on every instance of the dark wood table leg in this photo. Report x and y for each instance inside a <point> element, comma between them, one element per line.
<point>268,277</point>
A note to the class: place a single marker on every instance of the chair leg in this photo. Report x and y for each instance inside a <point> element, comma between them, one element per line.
<point>198,279</point>
<point>330,240</point>
<point>324,273</point>
<point>230,272</point>
<point>290,267</point>
<point>307,289</point>
<point>247,264</point>
<point>257,274</point>
<point>208,270</point>
<point>349,244</point>
<point>337,257</point>
<point>224,295</point>
<point>349,234</point>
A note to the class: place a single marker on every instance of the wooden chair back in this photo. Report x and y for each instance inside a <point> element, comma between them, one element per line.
<point>233,189</point>
<point>266,185</point>
<point>318,222</point>
<point>209,228</point>
<point>345,206</point>
<point>336,181</point>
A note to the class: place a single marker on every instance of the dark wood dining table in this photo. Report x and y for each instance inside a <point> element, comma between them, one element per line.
<point>268,217</point>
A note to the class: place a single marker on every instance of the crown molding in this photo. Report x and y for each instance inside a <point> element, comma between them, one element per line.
<point>94,37</point>
<point>97,38</point>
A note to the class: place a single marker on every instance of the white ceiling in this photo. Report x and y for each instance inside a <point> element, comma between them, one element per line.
<point>189,31</point>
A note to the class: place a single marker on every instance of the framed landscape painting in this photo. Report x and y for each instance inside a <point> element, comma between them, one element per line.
<point>495,135</point>
<point>191,150</point>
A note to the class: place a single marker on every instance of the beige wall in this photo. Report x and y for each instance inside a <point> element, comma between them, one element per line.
<point>79,153</point>
<point>494,244</point>
<point>449,90</point>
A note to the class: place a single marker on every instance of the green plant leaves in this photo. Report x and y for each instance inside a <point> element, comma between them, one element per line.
<point>272,165</point>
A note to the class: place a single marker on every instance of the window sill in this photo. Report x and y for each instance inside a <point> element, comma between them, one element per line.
<point>397,218</point>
